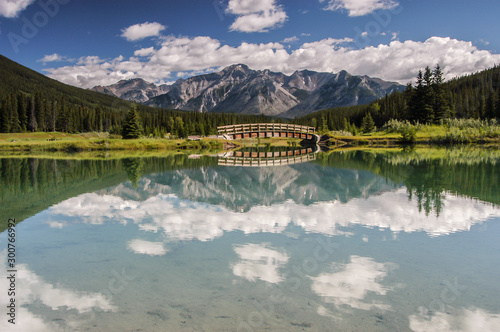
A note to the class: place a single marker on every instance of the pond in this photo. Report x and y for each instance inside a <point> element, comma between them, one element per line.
<point>346,241</point>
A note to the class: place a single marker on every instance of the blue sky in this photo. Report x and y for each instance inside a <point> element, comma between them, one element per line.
<point>98,42</point>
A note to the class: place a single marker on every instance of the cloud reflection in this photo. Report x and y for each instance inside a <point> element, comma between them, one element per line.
<point>350,284</point>
<point>188,220</point>
<point>32,288</point>
<point>146,247</point>
<point>466,320</point>
<point>259,261</point>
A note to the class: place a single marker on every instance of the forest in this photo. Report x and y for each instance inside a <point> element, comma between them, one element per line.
<point>31,102</point>
<point>430,100</point>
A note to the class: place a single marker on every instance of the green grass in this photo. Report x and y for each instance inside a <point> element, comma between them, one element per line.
<point>97,142</point>
<point>451,132</point>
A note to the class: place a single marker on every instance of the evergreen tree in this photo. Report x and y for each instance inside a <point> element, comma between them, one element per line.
<point>428,97</point>
<point>441,102</point>
<point>15,125</point>
<point>21,111</point>
<point>416,100</point>
<point>132,127</point>
<point>4,118</point>
<point>322,126</point>
<point>32,124</point>
<point>368,125</point>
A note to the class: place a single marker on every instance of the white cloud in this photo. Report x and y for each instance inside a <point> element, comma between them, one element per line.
<point>360,7</point>
<point>465,320</point>
<point>53,58</point>
<point>290,40</point>
<point>12,8</point>
<point>145,51</point>
<point>256,15</point>
<point>352,282</point>
<point>259,261</point>
<point>396,61</point>
<point>143,30</point>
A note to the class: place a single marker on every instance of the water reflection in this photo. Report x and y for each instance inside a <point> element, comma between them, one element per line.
<point>350,284</point>
<point>208,246</point>
<point>181,219</point>
<point>465,320</point>
<point>38,296</point>
<point>147,247</point>
<point>259,261</point>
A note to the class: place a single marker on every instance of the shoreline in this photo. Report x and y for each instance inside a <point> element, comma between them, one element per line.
<point>101,143</point>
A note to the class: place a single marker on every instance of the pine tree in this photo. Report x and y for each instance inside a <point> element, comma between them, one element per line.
<point>4,118</point>
<point>132,127</point>
<point>441,102</point>
<point>428,96</point>
<point>32,124</point>
<point>21,111</point>
<point>368,125</point>
<point>15,125</point>
<point>416,99</point>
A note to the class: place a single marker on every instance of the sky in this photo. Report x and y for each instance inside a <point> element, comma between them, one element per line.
<point>99,42</point>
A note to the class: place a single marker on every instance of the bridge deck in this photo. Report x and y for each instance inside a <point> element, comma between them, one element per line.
<point>253,130</point>
<point>264,127</point>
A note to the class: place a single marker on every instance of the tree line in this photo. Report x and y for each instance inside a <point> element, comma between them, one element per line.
<point>30,102</point>
<point>33,113</point>
<point>430,100</point>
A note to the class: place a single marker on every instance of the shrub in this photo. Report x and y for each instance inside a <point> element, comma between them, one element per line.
<point>408,135</point>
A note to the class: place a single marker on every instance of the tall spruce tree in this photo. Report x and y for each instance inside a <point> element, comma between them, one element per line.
<point>428,96</point>
<point>32,124</point>
<point>441,101</point>
<point>132,127</point>
<point>368,125</point>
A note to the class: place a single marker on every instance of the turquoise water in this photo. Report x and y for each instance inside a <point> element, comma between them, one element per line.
<point>349,242</point>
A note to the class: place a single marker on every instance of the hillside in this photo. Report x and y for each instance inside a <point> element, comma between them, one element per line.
<point>32,102</point>
<point>17,78</point>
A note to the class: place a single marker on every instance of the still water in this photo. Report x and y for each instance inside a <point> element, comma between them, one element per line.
<point>348,241</point>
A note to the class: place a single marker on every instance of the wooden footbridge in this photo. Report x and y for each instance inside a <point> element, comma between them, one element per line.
<point>255,130</point>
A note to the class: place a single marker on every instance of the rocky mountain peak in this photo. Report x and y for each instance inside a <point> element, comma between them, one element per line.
<point>239,89</point>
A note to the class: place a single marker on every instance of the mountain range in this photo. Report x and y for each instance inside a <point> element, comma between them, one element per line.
<point>239,89</point>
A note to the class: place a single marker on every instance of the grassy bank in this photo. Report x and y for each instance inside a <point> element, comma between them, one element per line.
<point>99,143</point>
<point>451,132</point>
<point>53,142</point>
<point>395,133</point>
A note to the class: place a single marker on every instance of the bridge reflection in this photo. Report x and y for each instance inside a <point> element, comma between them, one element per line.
<point>263,159</point>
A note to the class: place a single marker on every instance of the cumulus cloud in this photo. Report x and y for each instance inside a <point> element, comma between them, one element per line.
<point>359,7</point>
<point>290,40</point>
<point>53,58</point>
<point>12,8</point>
<point>256,15</point>
<point>397,61</point>
<point>143,30</point>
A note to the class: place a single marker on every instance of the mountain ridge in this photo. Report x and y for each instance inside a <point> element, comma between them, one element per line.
<point>239,89</point>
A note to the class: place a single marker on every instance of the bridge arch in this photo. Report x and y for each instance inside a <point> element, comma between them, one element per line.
<point>254,130</point>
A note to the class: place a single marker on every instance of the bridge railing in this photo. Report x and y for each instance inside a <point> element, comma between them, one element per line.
<point>264,127</point>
